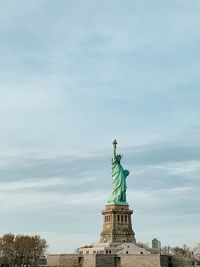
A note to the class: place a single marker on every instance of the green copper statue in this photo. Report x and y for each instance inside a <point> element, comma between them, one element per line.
<point>118,195</point>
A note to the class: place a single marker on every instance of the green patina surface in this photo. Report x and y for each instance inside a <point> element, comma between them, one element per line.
<point>119,175</point>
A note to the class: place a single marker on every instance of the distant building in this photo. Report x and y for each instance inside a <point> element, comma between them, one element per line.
<point>156,244</point>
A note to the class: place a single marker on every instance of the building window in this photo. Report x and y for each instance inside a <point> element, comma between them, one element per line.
<point>122,218</point>
<point>125,217</point>
<point>118,218</point>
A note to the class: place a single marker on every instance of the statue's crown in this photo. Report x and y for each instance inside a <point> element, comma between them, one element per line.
<point>119,157</point>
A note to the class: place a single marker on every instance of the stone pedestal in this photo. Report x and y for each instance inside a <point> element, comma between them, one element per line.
<point>117,226</point>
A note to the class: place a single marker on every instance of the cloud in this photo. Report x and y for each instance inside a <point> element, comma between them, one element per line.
<point>40,200</point>
<point>24,185</point>
<point>164,152</point>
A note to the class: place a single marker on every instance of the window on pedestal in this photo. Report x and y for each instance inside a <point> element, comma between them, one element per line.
<point>125,217</point>
<point>108,218</point>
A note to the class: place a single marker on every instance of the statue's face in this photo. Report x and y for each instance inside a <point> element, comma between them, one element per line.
<point>118,158</point>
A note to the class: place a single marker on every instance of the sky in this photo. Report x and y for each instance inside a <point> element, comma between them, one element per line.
<point>74,75</point>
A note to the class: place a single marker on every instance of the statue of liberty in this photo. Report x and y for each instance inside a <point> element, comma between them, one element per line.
<point>118,194</point>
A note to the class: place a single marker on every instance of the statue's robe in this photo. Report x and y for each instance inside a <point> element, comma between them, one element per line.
<point>118,194</point>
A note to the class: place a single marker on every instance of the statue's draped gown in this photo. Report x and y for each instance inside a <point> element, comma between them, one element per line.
<point>118,194</point>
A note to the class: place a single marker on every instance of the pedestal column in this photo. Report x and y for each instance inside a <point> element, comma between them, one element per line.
<point>117,226</point>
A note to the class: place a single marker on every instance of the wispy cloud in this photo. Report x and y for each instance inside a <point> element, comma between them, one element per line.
<point>33,184</point>
<point>41,200</point>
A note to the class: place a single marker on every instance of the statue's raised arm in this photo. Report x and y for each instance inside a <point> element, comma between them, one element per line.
<point>114,148</point>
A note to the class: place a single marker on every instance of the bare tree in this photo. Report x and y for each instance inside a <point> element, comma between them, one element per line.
<point>22,249</point>
<point>39,248</point>
<point>184,251</point>
<point>7,249</point>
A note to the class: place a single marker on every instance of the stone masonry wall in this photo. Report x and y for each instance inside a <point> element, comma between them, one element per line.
<point>68,260</point>
<point>106,260</point>
<point>140,260</point>
<point>112,260</point>
<point>89,260</point>
<point>181,262</point>
<point>53,260</point>
<point>63,260</point>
